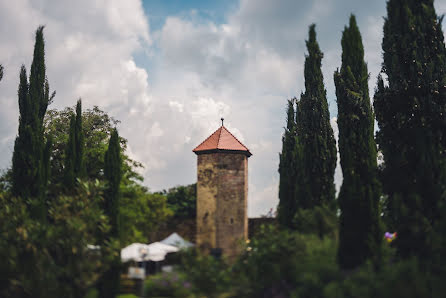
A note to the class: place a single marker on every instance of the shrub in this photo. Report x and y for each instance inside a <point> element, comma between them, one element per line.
<point>172,284</point>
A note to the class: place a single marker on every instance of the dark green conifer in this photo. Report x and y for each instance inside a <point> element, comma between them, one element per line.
<point>70,156</point>
<point>113,175</point>
<point>316,141</point>
<point>74,159</point>
<point>109,284</point>
<point>287,201</point>
<point>1,72</point>
<point>79,166</point>
<point>359,230</point>
<point>411,112</point>
<point>29,166</point>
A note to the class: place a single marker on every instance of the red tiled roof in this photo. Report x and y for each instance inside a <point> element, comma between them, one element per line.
<point>221,139</point>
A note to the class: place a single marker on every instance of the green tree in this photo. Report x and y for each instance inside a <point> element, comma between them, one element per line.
<point>411,111</point>
<point>359,228</point>
<point>1,72</point>
<point>74,159</point>
<point>109,284</point>
<point>29,164</point>
<point>287,196</point>
<point>57,259</point>
<point>70,156</point>
<point>182,200</point>
<point>113,175</point>
<point>317,146</point>
<point>79,166</point>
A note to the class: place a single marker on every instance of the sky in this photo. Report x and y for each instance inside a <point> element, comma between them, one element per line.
<point>170,69</point>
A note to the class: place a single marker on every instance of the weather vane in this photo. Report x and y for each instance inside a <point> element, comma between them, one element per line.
<point>222,119</point>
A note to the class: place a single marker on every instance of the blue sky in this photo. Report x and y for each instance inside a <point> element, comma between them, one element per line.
<point>169,70</point>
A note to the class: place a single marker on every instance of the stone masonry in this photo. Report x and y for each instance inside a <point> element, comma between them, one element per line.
<point>222,191</point>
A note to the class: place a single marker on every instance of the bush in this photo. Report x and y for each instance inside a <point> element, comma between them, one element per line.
<point>171,284</point>
<point>280,263</point>
<point>208,275</point>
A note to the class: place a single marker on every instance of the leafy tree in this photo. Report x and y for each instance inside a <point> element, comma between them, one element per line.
<point>359,231</point>
<point>57,259</point>
<point>287,195</point>
<point>141,212</point>
<point>411,111</point>
<point>182,200</point>
<point>29,166</point>
<point>1,72</point>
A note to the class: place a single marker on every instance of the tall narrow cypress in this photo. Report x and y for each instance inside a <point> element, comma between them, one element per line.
<point>1,72</point>
<point>109,284</point>
<point>411,111</point>
<point>70,156</point>
<point>79,166</point>
<point>287,203</point>
<point>318,146</point>
<point>113,175</point>
<point>29,168</point>
<point>359,231</point>
<point>74,159</point>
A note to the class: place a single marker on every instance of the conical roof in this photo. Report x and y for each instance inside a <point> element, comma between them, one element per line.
<point>221,140</point>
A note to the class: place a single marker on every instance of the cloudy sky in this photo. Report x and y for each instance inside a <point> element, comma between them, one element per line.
<point>170,69</point>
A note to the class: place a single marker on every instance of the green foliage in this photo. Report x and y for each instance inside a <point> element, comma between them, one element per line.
<point>405,279</point>
<point>359,233</point>
<point>279,263</point>
<point>70,157</point>
<point>317,162</point>
<point>410,111</point>
<point>109,283</point>
<point>208,275</point>
<point>287,170</point>
<point>1,72</point>
<point>113,175</point>
<point>28,165</point>
<point>53,259</point>
<point>320,220</point>
<point>182,200</point>
<point>96,130</point>
<point>168,285</point>
<point>140,212</point>
<point>74,157</point>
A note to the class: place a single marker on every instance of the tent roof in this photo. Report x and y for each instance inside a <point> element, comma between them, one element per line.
<point>146,252</point>
<point>176,240</point>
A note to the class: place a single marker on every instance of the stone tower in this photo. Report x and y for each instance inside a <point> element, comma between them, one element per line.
<point>222,193</point>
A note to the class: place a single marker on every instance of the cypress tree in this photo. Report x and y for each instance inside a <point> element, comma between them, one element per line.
<point>1,72</point>
<point>411,111</point>
<point>70,156</point>
<point>359,231</point>
<point>109,284</point>
<point>29,165</point>
<point>74,159</point>
<point>113,175</point>
<point>317,146</point>
<point>79,166</point>
<point>287,205</point>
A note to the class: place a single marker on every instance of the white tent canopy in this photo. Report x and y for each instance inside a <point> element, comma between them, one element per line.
<point>176,240</point>
<point>139,252</point>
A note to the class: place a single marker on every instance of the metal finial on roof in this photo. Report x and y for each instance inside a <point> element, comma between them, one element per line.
<point>222,119</point>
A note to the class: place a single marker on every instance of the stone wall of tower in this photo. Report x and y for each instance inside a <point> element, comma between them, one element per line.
<point>222,192</point>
